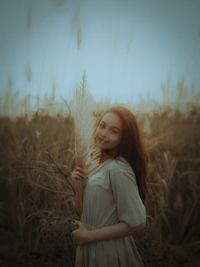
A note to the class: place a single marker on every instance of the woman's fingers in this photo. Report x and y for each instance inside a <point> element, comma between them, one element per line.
<point>78,223</point>
<point>79,173</point>
<point>79,176</point>
<point>81,170</point>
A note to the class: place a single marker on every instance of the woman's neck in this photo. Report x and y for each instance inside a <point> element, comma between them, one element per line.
<point>106,155</point>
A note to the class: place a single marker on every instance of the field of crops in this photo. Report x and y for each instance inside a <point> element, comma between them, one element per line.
<point>36,196</point>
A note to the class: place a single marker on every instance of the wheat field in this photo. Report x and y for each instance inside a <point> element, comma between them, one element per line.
<point>37,197</point>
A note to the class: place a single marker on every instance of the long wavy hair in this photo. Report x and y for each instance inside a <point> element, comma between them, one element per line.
<point>131,146</point>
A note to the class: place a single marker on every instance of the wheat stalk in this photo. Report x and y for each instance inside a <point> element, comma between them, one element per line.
<point>86,154</point>
<point>82,107</point>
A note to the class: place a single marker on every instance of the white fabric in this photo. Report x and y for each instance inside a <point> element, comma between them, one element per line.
<point>111,195</point>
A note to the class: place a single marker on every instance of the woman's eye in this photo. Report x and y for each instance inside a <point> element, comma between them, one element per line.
<point>114,132</point>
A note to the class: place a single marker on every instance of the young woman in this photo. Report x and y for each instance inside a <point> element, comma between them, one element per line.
<point>113,195</point>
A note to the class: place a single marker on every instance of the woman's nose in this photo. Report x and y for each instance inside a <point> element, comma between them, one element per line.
<point>103,132</point>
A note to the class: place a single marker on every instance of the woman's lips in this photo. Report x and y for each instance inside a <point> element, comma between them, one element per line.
<point>102,141</point>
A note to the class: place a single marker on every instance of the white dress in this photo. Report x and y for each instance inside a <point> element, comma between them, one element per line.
<point>111,195</point>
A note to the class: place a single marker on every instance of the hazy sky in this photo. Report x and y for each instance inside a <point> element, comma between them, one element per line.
<point>126,47</point>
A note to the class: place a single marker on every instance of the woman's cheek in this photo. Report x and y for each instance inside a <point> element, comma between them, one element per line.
<point>96,134</point>
<point>117,139</point>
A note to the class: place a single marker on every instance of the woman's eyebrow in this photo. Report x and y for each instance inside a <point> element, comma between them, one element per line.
<point>112,126</point>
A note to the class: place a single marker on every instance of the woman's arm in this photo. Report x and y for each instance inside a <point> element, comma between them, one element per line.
<point>78,180</point>
<point>119,230</point>
<point>78,199</point>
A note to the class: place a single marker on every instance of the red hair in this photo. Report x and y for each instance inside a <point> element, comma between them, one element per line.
<point>131,146</point>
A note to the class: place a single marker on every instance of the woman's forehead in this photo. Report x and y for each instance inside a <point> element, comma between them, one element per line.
<point>112,120</point>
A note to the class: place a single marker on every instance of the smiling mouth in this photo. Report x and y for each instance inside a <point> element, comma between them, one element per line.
<point>102,141</point>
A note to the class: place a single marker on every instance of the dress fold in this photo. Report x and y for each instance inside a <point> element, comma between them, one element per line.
<point>110,195</point>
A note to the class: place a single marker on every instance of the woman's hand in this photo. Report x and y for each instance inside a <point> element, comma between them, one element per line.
<point>81,235</point>
<point>79,177</point>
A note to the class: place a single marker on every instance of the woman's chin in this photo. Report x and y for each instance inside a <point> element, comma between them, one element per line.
<point>109,151</point>
<point>105,149</point>
<point>102,146</point>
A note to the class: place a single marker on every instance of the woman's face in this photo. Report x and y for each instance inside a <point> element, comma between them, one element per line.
<point>109,132</point>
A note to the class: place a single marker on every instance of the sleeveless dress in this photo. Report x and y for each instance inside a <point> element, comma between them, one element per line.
<point>111,195</point>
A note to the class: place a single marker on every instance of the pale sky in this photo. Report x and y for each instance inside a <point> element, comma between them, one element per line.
<point>127,48</point>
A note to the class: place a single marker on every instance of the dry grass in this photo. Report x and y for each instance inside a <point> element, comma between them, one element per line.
<point>36,161</point>
<point>38,155</point>
<point>174,180</point>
